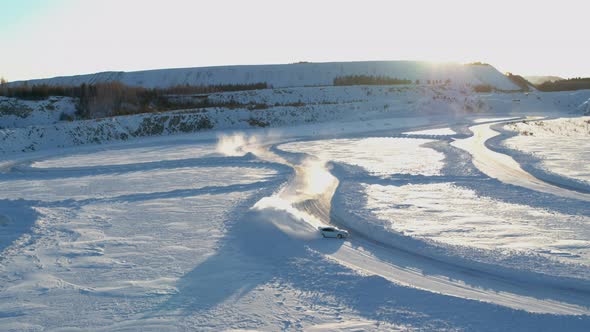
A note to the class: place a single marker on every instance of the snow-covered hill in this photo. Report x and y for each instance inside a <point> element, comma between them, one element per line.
<point>294,75</point>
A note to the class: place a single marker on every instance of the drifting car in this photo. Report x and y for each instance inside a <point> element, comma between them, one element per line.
<point>330,231</point>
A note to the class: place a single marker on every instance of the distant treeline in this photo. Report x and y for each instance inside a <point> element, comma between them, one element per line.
<point>39,92</point>
<point>204,89</point>
<point>565,85</point>
<point>43,91</point>
<point>114,98</point>
<point>369,80</point>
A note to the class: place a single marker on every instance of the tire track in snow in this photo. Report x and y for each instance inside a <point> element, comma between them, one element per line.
<point>503,167</point>
<point>413,270</point>
<point>417,271</point>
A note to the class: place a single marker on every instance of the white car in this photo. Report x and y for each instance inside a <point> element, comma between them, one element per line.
<point>329,231</point>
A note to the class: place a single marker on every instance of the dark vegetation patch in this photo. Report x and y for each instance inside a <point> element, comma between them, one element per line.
<point>160,124</point>
<point>14,107</point>
<point>483,88</point>
<point>114,98</point>
<point>565,85</point>
<point>368,80</point>
<point>258,123</point>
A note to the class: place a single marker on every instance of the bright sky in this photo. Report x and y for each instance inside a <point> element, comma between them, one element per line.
<point>41,38</point>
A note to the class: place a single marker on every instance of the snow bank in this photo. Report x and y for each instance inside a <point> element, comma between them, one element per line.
<point>127,156</point>
<point>555,263</point>
<point>282,107</point>
<point>562,127</point>
<point>451,214</point>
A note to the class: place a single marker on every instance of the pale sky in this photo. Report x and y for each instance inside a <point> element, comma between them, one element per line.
<point>42,38</point>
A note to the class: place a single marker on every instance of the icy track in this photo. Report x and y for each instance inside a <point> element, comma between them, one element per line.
<point>221,235</point>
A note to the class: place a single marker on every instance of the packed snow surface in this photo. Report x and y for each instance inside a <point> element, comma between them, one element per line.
<point>128,156</point>
<point>378,155</point>
<point>113,184</point>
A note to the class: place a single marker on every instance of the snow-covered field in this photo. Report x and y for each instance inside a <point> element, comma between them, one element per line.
<point>454,224</point>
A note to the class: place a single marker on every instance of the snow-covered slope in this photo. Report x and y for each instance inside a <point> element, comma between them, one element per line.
<point>292,75</point>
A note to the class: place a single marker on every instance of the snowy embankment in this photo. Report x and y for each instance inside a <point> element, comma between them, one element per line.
<point>575,102</point>
<point>296,75</point>
<point>281,107</point>
<point>38,128</point>
<point>536,143</point>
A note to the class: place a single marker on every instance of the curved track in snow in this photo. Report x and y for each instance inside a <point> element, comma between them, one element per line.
<point>504,168</point>
<point>414,270</point>
<point>311,200</point>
